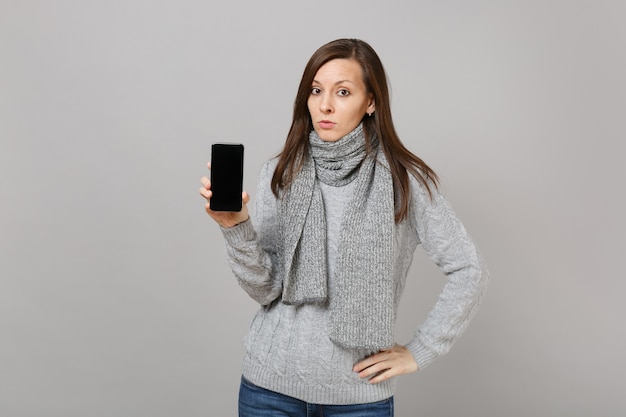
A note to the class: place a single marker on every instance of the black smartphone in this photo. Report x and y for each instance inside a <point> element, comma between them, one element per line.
<point>226,176</point>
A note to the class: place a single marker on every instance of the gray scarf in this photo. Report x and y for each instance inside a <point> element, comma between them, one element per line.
<point>362,313</point>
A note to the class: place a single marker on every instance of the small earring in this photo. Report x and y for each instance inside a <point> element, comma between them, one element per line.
<point>369,114</point>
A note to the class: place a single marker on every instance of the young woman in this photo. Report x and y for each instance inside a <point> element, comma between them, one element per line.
<point>339,214</point>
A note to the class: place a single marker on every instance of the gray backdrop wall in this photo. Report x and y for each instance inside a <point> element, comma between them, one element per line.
<point>115,296</point>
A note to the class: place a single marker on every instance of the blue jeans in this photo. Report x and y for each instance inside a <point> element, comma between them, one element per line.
<point>259,402</point>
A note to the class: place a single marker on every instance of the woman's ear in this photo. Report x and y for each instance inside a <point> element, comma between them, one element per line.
<point>371,108</point>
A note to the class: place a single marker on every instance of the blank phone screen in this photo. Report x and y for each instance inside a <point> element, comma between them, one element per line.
<point>226,176</point>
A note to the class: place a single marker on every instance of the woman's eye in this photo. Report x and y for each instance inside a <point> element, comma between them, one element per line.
<point>315,90</point>
<point>343,92</point>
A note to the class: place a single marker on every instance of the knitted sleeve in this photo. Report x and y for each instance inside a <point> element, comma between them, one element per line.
<point>251,251</point>
<point>448,244</point>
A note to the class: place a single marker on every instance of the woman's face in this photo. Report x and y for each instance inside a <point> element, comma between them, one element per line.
<point>338,99</point>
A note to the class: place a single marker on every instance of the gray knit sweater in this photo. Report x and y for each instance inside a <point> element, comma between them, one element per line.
<point>287,349</point>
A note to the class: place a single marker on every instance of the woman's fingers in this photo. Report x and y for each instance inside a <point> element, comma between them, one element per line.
<point>205,190</point>
<point>386,364</point>
<point>205,193</point>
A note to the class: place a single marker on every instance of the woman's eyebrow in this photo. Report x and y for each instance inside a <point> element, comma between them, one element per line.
<point>337,83</point>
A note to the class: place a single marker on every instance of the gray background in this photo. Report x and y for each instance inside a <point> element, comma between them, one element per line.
<point>115,296</point>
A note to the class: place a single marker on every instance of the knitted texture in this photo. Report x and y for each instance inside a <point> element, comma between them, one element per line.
<point>366,241</point>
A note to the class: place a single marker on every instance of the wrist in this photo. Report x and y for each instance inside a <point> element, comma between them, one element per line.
<point>233,223</point>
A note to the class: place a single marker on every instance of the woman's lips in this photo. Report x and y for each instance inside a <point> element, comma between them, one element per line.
<point>326,124</point>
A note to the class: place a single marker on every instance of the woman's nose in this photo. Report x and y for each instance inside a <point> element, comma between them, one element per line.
<point>326,106</point>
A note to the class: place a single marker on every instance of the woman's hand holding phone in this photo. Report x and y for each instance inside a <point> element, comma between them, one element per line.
<point>224,218</point>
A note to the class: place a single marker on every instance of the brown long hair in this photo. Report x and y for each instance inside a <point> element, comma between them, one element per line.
<point>401,160</point>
